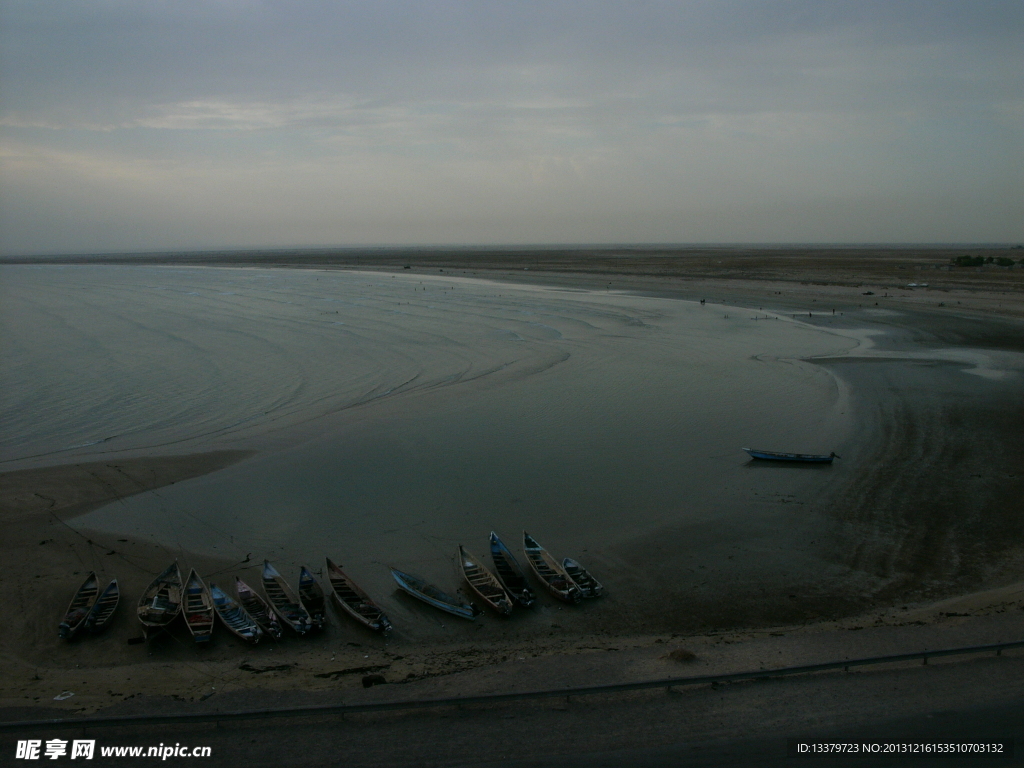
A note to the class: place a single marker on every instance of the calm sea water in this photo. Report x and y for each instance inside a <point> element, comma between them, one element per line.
<point>400,416</point>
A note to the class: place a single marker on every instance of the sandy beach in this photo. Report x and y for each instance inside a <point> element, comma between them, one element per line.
<point>939,543</point>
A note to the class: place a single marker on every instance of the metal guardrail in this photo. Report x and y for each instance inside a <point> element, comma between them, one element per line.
<point>492,698</point>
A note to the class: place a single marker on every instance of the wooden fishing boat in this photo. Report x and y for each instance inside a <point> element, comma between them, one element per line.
<point>102,612</point>
<point>354,601</point>
<point>198,608</point>
<point>285,602</point>
<point>78,610</point>
<point>311,595</point>
<point>549,571</point>
<point>589,586</point>
<point>485,583</point>
<point>160,604</point>
<point>234,616</point>
<point>258,608</point>
<point>431,595</point>
<point>510,573</point>
<point>808,458</point>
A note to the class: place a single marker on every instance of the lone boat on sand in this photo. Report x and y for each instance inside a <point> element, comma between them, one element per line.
<point>807,458</point>
<point>234,616</point>
<point>258,608</point>
<point>80,607</point>
<point>434,596</point>
<point>589,586</point>
<point>312,596</point>
<point>160,604</point>
<point>354,601</point>
<point>549,571</point>
<point>198,608</point>
<point>510,573</point>
<point>285,602</point>
<point>102,612</point>
<point>484,583</point>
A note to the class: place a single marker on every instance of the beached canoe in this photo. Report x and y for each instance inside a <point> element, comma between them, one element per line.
<point>160,604</point>
<point>311,595</point>
<point>259,609</point>
<point>285,602</point>
<point>354,601</point>
<point>485,583</point>
<point>589,586</point>
<point>198,608</point>
<point>234,616</point>
<point>434,596</point>
<point>510,573</point>
<point>103,611</point>
<point>808,458</point>
<point>549,571</point>
<point>78,610</point>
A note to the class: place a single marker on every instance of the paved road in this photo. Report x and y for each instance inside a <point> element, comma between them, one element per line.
<point>740,724</point>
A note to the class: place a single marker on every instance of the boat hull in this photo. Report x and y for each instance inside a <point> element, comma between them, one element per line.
<point>234,616</point>
<point>485,583</point>
<point>431,595</point>
<point>160,604</point>
<point>80,607</point>
<point>284,601</point>
<point>101,613</point>
<point>198,608</point>
<point>510,573</point>
<point>803,458</point>
<point>589,586</point>
<point>258,608</point>
<point>350,598</point>
<point>551,574</point>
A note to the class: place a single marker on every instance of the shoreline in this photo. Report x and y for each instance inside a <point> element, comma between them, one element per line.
<point>30,523</point>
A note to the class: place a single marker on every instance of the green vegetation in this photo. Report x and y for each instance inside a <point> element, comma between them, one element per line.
<point>979,261</point>
<point>967,261</point>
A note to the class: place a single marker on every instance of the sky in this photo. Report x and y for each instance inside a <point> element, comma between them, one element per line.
<point>156,126</point>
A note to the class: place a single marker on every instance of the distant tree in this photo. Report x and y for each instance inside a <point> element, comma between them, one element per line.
<point>968,261</point>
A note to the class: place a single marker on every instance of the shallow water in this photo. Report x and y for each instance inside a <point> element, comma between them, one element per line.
<point>401,415</point>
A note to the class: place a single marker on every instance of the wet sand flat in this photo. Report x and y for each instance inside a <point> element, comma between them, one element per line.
<point>872,537</point>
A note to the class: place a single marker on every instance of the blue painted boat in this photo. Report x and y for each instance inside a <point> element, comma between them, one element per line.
<point>589,586</point>
<point>234,616</point>
<point>80,608</point>
<point>258,608</point>
<point>312,596</point>
<point>285,602</point>
<point>100,614</point>
<point>434,596</point>
<point>807,458</point>
<point>510,573</point>
<point>198,608</point>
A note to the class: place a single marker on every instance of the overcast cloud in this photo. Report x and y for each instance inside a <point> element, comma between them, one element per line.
<point>181,125</point>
